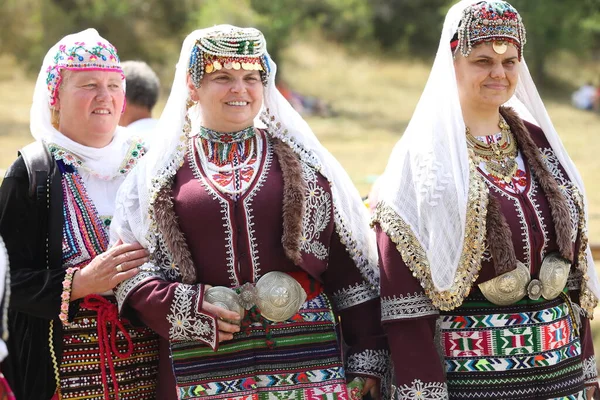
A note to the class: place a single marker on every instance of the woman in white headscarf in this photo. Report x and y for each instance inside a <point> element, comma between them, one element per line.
<point>56,202</point>
<point>487,280</point>
<point>265,215</point>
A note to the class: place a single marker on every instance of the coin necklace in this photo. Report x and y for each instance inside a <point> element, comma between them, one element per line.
<point>498,157</point>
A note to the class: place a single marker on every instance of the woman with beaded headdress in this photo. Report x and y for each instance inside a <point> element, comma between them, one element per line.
<point>487,280</point>
<point>256,236</point>
<point>56,202</point>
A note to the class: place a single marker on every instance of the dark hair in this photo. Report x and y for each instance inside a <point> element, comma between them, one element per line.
<point>142,84</point>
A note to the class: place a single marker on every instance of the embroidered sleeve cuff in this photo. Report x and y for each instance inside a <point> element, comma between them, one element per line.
<point>407,307</point>
<point>354,295</point>
<point>590,371</point>
<point>187,320</point>
<point>147,272</point>
<point>422,390</point>
<point>373,363</point>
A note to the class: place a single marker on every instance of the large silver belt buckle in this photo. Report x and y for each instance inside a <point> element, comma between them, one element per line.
<point>279,296</point>
<point>512,286</point>
<point>276,294</point>
<point>554,274</point>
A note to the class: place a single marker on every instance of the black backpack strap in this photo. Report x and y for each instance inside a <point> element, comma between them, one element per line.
<point>39,165</point>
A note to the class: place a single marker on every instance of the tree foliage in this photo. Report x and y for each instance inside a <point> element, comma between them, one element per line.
<point>153,29</point>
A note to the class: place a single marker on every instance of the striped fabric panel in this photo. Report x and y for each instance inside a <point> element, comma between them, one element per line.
<point>80,374</point>
<point>304,363</point>
<point>529,350</point>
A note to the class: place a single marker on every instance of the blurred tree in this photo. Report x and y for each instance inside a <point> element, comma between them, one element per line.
<point>153,29</point>
<point>558,25</point>
<point>409,27</point>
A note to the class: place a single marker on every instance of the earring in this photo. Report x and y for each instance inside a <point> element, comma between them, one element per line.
<point>54,117</point>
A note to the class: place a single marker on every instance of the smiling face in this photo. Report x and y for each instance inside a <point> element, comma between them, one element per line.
<point>230,99</point>
<point>486,79</point>
<point>90,105</point>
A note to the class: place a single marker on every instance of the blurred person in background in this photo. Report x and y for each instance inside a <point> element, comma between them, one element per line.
<point>258,238</point>
<point>143,87</point>
<point>487,279</point>
<point>585,97</point>
<point>56,203</point>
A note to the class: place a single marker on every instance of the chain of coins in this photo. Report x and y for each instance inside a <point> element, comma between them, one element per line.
<point>499,157</point>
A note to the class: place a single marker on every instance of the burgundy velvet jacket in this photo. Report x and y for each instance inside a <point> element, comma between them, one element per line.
<point>232,242</point>
<point>408,314</point>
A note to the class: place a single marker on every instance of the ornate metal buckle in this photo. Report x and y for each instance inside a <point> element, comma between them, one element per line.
<point>507,288</point>
<point>276,294</point>
<point>279,296</point>
<point>512,286</point>
<point>554,274</point>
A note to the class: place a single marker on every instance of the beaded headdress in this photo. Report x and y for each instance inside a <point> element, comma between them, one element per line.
<point>96,53</point>
<point>229,48</point>
<point>490,21</point>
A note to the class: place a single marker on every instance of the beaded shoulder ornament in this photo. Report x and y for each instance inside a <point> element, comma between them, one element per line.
<point>234,48</point>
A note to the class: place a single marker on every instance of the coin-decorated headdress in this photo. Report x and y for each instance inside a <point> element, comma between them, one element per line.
<point>490,21</point>
<point>229,48</point>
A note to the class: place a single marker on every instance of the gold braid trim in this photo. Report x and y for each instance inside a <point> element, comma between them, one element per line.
<point>55,365</point>
<point>587,299</point>
<point>415,257</point>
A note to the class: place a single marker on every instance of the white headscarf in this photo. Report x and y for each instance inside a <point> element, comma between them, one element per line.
<point>426,181</point>
<point>133,221</point>
<point>85,50</point>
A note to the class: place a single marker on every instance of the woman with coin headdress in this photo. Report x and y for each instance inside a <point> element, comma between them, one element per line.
<point>487,279</point>
<point>56,202</point>
<point>258,240</point>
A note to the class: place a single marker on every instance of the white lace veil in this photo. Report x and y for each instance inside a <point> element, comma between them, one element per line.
<point>133,219</point>
<point>426,181</point>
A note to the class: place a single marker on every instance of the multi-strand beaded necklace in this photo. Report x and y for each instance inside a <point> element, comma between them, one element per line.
<point>228,153</point>
<point>498,157</point>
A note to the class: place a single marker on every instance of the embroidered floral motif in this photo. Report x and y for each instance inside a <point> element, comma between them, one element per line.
<point>354,295</point>
<point>162,259</point>
<point>317,216</point>
<point>372,362</point>
<point>422,391</point>
<point>134,153</point>
<point>410,306</point>
<point>376,363</point>
<point>590,372</point>
<point>147,272</point>
<point>186,323</point>
<point>366,265</point>
<point>132,156</point>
